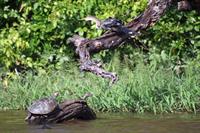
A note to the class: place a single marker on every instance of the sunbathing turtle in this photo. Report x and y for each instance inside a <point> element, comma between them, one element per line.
<point>106,24</point>
<point>86,95</point>
<point>111,24</point>
<point>44,107</point>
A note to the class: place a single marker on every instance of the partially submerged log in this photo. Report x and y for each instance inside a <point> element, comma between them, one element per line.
<point>70,109</point>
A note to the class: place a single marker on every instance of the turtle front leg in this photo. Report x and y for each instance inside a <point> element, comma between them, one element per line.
<point>28,117</point>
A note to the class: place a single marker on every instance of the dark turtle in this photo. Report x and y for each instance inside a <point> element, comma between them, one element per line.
<point>43,107</point>
<point>116,25</point>
<point>106,24</point>
<point>111,24</point>
<point>88,94</point>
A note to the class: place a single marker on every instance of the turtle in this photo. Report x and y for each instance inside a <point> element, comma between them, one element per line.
<point>44,107</point>
<point>106,24</point>
<point>86,95</point>
<point>111,24</point>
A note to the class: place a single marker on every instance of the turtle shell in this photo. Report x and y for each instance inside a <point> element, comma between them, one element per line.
<point>110,23</point>
<point>43,106</point>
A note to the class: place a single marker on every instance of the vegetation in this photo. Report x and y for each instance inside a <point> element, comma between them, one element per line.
<point>32,32</point>
<point>37,60</point>
<point>140,90</point>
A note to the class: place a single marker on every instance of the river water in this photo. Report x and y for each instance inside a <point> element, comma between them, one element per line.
<point>13,122</point>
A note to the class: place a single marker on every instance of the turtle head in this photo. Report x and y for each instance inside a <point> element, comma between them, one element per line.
<point>55,94</point>
<point>93,19</point>
<point>88,94</point>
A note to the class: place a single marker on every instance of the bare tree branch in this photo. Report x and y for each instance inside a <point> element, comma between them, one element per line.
<point>85,47</point>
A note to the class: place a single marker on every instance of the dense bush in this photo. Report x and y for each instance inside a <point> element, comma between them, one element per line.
<point>176,35</point>
<point>33,34</point>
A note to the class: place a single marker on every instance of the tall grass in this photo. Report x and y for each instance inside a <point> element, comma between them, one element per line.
<point>141,89</point>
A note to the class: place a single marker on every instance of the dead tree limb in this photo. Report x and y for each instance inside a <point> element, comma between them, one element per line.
<point>85,47</point>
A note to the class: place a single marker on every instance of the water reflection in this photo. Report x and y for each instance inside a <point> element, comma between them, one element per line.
<point>13,121</point>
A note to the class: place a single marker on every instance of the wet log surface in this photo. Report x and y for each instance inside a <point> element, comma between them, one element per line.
<point>70,109</point>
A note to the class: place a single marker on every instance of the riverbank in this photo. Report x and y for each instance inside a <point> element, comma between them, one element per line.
<point>141,89</point>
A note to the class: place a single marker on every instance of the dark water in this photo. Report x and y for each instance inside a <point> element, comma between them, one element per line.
<point>13,122</point>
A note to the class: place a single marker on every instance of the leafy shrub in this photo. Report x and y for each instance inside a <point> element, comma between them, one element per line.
<point>33,34</point>
<point>177,35</point>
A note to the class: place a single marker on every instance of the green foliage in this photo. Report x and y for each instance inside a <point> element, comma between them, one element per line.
<point>33,31</point>
<point>177,34</point>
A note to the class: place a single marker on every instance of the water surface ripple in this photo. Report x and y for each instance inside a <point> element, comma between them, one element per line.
<point>13,122</point>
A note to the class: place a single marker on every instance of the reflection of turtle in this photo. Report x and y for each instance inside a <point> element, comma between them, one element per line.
<point>44,107</point>
<point>112,24</point>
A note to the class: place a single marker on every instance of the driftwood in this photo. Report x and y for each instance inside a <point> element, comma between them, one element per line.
<point>85,47</point>
<point>70,109</point>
